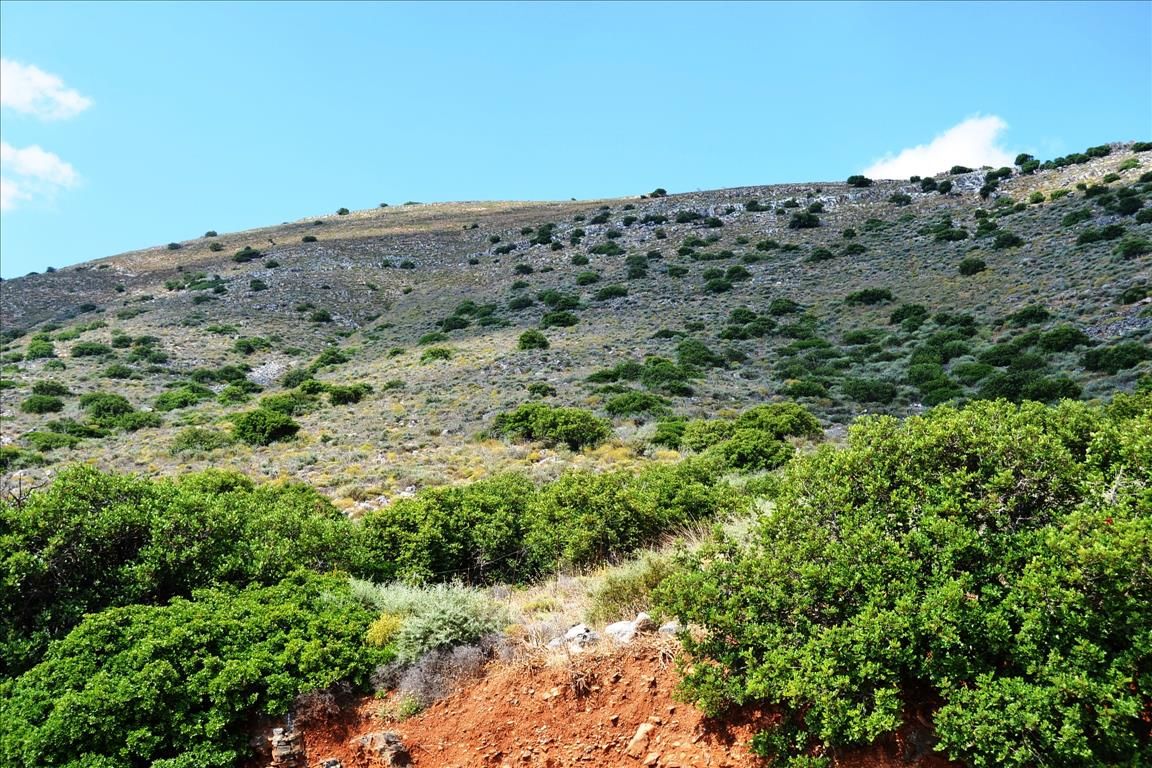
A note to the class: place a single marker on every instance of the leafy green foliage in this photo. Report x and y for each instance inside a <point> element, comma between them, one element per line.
<point>553,425</point>
<point>40,404</point>
<point>971,266</point>
<point>985,568</point>
<point>177,684</point>
<point>636,403</point>
<point>532,339</point>
<point>1116,357</point>
<point>263,426</point>
<point>92,540</point>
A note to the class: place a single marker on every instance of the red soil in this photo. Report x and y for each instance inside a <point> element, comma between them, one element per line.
<point>611,708</point>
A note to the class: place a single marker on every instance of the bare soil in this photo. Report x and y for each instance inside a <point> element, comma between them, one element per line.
<point>612,706</point>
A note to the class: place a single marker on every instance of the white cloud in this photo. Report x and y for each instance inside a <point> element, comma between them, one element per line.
<point>973,143</point>
<point>10,194</point>
<point>33,91</point>
<point>30,173</point>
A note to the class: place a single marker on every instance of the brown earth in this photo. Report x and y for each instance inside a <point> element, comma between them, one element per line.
<point>611,707</point>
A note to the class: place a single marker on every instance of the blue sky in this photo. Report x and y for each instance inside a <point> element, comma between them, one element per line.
<point>131,125</point>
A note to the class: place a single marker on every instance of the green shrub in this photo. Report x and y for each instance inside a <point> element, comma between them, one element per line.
<point>751,450</point>
<point>869,296</point>
<point>246,254</point>
<point>320,316</point>
<point>1063,338</point>
<point>1116,357</point>
<point>971,266</point>
<point>39,349</point>
<point>435,353</point>
<point>294,403</point>
<point>50,387</point>
<point>559,301</point>
<point>90,349</point>
<point>561,319</point>
<point>348,394</point>
<point>1029,315</point>
<point>611,292</point>
<point>1129,248</point>
<point>42,404</point>
<point>103,406</point>
<point>532,339</point>
<point>943,561</point>
<point>197,440</point>
<point>626,590</point>
<point>1005,239</point>
<point>868,390</point>
<point>859,181</point>
<point>263,427</point>
<point>552,425</point>
<point>183,396</point>
<point>637,403</point>
<point>804,220</point>
<point>212,665</point>
<point>454,323</point>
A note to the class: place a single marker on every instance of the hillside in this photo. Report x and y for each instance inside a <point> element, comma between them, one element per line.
<point>850,299</point>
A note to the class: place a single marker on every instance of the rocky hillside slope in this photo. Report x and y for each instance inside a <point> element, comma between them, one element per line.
<point>849,297</point>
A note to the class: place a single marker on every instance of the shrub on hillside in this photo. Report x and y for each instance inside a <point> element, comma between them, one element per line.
<point>40,404</point>
<point>804,220</point>
<point>263,427</point>
<point>939,566</point>
<point>179,684</point>
<point>869,296</point>
<point>971,266</point>
<point>1116,357</point>
<point>553,425</point>
<point>859,181</point>
<point>637,403</point>
<point>532,339</point>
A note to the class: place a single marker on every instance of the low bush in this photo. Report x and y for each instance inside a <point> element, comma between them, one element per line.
<point>868,390</point>
<point>532,339</point>
<point>196,440</point>
<point>90,349</point>
<point>185,701</point>
<point>971,266</point>
<point>50,387</point>
<point>939,566</point>
<point>1116,357</point>
<point>42,404</point>
<point>637,403</point>
<point>183,396</point>
<point>804,220</point>
<point>869,296</point>
<point>263,427</point>
<point>561,319</point>
<point>348,394</point>
<point>611,292</point>
<point>553,425</point>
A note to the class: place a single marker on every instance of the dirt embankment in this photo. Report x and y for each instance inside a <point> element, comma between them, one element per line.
<point>608,707</point>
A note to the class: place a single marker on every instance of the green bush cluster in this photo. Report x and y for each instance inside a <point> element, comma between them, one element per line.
<point>553,425</point>
<point>507,530</point>
<point>178,684</point>
<point>754,440</point>
<point>263,426</point>
<point>982,570</point>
